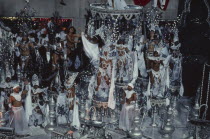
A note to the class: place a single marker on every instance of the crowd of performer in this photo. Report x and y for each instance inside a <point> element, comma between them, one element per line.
<point>47,62</point>
<point>41,61</point>
<point>154,57</point>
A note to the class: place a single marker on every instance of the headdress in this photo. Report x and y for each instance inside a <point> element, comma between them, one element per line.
<point>176,39</point>
<point>175,47</point>
<point>70,80</point>
<point>131,85</point>
<point>152,27</point>
<point>35,80</point>
<point>15,86</point>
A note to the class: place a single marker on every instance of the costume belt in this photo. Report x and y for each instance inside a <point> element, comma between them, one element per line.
<point>17,109</point>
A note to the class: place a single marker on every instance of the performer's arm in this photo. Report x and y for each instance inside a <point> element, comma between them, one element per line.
<point>11,99</point>
<point>24,93</point>
<point>94,39</point>
<point>70,40</point>
<point>77,35</point>
<point>107,79</point>
<point>98,80</point>
<point>134,97</point>
<point>150,64</point>
<point>151,78</point>
<point>127,50</point>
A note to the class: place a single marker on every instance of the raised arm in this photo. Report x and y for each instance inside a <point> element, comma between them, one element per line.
<point>123,97</point>
<point>94,39</point>
<point>24,93</point>
<point>11,99</point>
<point>77,35</point>
<point>98,81</point>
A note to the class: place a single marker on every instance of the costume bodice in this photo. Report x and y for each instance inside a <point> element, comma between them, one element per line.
<point>17,96</point>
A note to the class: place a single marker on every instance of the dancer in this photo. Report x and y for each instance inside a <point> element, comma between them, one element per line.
<point>57,52</point>
<point>70,37</point>
<point>7,87</point>
<point>141,59</point>
<point>40,109</point>
<point>158,75</point>
<point>122,62</point>
<point>24,47</point>
<point>127,112</point>
<point>127,66</point>
<point>104,62</point>
<point>73,101</point>
<point>176,65</point>
<point>74,61</point>
<point>19,121</point>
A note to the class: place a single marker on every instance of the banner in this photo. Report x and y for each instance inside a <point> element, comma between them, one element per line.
<point>162,4</point>
<point>141,2</point>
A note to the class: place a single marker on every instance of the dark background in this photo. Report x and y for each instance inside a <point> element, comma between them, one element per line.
<point>195,40</point>
<point>195,44</point>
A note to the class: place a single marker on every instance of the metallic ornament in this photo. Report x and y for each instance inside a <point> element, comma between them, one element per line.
<point>196,109</point>
<point>136,133</point>
<point>154,110</point>
<point>2,120</point>
<point>82,110</point>
<point>52,124</point>
<point>18,73</point>
<point>167,130</point>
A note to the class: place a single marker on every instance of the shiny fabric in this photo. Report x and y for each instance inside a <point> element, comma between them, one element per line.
<point>36,119</point>
<point>91,50</point>
<point>61,109</point>
<point>76,121</point>
<point>28,103</point>
<point>127,116</point>
<point>19,122</point>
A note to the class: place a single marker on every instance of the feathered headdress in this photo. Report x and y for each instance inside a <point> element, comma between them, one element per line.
<point>70,80</point>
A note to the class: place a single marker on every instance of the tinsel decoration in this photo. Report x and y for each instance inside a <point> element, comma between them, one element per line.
<point>24,18</point>
<point>56,16</point>
<point>117,24</point>
<point>153,15</point>
<point>6,48</point>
